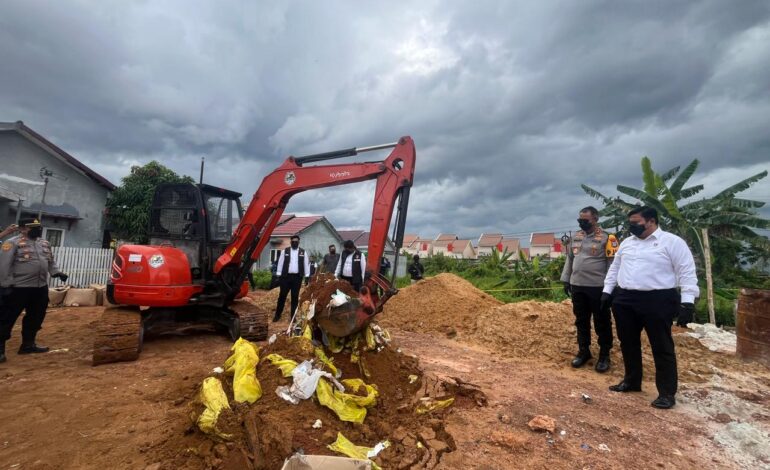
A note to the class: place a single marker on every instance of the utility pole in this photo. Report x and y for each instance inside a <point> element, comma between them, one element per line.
<point>203,162</point>
<point>709,280</point>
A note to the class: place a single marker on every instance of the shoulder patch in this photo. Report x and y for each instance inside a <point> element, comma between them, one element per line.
<point>7,246</point>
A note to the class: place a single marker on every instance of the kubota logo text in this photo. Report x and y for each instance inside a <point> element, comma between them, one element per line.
<point>339,174</point>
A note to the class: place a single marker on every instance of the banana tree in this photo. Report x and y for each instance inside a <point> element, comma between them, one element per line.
<point>723,215</point>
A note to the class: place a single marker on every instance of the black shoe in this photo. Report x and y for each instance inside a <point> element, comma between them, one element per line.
<point>664,402</point>
<point>624,387</point>
<point>581,359</point>
<point>2,358</point>
<point>276,319</point>
<point>603,364</point>
<point>32,349</point>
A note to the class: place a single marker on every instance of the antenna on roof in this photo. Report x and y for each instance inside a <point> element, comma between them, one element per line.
<point>45,173</point>
<point>203,162</point>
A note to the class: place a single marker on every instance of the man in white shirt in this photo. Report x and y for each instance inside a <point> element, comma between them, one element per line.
<point>641,287</point>
<point>351,266</point>
<point>293,265</point>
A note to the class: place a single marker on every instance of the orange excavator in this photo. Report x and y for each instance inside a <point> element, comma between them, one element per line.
<point>202,249</point>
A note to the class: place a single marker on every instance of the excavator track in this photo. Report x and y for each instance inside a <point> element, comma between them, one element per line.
<point>253,320</point>
<point>119,335</point>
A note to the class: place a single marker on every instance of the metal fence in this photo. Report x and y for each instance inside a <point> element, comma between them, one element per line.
<point>85,266</point>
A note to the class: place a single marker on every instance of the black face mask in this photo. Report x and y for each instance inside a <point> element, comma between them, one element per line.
<point>36,232</point>
<point>295,245</point>
<point>637,229</point>
<point>331,252</point>
<point>585,225</point>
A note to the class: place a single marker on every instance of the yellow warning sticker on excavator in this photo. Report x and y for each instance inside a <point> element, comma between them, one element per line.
<point>233,251</point>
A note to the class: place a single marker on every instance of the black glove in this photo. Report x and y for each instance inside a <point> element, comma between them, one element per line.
<point>568,289</point>
<point>62,276</point>
<point>606,302</point>
<point>686,314</point>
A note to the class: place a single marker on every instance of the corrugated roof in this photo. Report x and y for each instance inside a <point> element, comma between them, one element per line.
<point>295,225</point>
<point>490,239</point>
<point>41,141</point>
<point>541,239</point>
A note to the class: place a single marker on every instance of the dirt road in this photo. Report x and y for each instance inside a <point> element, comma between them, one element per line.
<point>58,412</point>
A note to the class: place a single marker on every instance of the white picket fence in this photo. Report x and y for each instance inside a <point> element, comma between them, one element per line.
<point>85,266</point>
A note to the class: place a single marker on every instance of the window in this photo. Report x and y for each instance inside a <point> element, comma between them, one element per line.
<point>55,236</point>
<point>274,255</point>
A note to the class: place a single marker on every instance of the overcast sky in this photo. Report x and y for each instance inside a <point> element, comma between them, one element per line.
<point>512,105</point>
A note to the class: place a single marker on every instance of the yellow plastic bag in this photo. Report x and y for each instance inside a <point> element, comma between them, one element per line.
<point>286,365</point>
<point>242,366</point>
<point>348,407</point>
<point>336,344</point>
<point>319,353</point>
<point>345,447</point>
<point>371,344</point>
<point>431,404</point>
<point>214,399</point>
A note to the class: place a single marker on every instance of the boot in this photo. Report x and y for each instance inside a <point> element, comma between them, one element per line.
<point>603,364</point>
<point>32,348</point>
<point>581,358</point>
<point>2,352</point>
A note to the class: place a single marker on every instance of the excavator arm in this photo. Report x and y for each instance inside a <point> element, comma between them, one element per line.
<point>394,177</point>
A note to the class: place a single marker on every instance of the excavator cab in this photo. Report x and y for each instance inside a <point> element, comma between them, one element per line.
<point>198,219</point>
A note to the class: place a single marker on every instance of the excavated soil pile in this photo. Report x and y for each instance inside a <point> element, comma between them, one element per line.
<point>546,331</point>
<point>322,288</point>
<point>270,430</point>
<point>444,304</point>
<point>269,299</point>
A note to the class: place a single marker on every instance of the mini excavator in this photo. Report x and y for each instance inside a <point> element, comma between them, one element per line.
<point>202,248</point>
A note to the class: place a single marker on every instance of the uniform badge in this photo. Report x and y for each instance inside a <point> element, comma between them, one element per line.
<point>26,256</point>
<point>7,246</point>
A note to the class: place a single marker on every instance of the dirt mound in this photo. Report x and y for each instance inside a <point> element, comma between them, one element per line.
<point>445,304</point>
<point>268,300</point>
<point>545,331</point>
<point>270,430</point>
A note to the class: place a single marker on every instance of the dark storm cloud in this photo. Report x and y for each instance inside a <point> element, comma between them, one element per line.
<point>512,104</point>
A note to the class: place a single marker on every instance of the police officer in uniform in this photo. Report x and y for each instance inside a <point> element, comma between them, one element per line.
<point>293,265</point>
<point>351,266</point>
<point>588,258</point>
<point>25,263</point>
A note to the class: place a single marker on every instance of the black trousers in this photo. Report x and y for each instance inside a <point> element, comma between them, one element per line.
<point>288,283</point>
<point>586,302</point>
<point>32,299</point>
<point>651,311</point>
<point>356,285</point>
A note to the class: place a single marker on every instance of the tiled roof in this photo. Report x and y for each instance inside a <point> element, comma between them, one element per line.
<point>408,239</point>
<point>353,235</point>
<point>510,244</point>
<point>295,225</point>
<point>542,239</point>
<point>446,236</point>
<point>490,239</point>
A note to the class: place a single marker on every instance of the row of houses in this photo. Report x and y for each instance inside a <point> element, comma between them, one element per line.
<point>449,244</point>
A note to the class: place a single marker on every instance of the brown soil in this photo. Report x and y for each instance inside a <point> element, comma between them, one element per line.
<point>444,304</point>
<point>271,429</point>
<point>59,412</point>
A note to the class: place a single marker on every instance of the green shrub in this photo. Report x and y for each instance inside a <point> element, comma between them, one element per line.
<point>261,279</point>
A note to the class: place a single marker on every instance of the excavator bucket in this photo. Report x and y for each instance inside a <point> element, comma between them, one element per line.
<point>343,320</point>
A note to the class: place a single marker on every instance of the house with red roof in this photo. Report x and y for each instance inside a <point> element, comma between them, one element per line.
<point>544,244</point>
<point>459,249</point>
<point>315,231</point>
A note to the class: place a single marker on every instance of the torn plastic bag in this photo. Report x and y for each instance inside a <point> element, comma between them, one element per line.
<point>345,447</point>
<point>339,298</point>
<point>285,365</point>
<point>348,407</point>
<point>242,366</point>
<point>321,356</point>
<point>213,397</point>
<point>429,404</point>
<point>306,380</point>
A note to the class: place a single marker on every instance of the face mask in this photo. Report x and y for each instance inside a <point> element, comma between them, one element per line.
<point>295,245</point>
<point>585,225</point>
<point>36,232</point>
<point>637,229</point>
<point>331,252</point>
